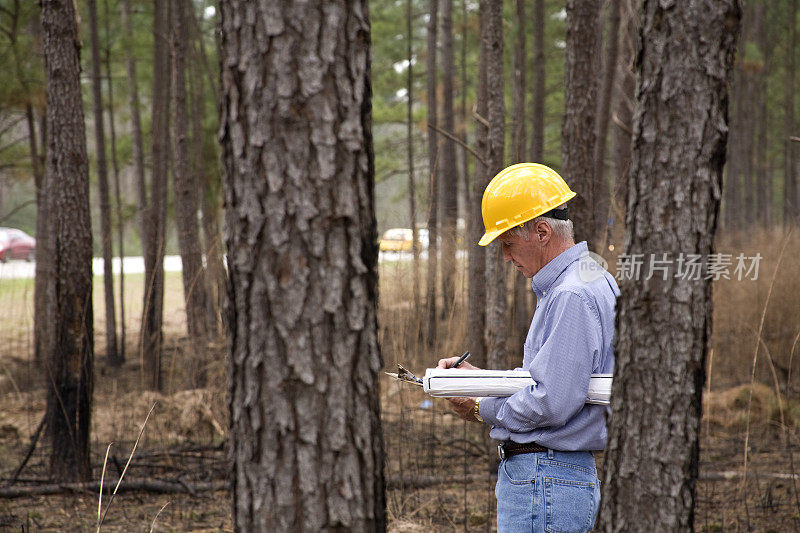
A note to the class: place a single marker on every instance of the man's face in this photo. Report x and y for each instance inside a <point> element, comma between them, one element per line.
<point>525,254</point>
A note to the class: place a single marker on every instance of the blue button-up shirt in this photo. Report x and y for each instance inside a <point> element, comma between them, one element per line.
<point>570,338</point>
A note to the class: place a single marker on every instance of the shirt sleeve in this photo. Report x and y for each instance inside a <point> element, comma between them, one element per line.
<point>561,370</point>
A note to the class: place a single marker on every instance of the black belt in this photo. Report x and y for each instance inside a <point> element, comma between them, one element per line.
<point>509,448</point>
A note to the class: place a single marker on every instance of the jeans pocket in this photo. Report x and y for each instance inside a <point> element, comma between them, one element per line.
<point>519,469</point>
<point>570,506</point>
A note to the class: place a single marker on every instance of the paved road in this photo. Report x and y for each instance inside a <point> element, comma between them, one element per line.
<point>133,265</point>
<point>172,263</point>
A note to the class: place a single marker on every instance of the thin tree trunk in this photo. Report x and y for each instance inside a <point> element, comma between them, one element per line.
<point>117,192</point>
<point>466,193</point>
<point>496,326</point>
<point>44,286</point>
<point>735,157</point>
<point>186,207</point>
<point>306,443</point>
<point>603,112</point>
<point>790,203</point>
<point>578,135</point>
<point>763,172</point>
<point>433,170</point>
<point>112,354</point>
<point>412,189</point>
<point>207,189</point>
<point>651,462</point>
<point>623,107</point>
<point>448,190</point>
<point>476,262</point>
<point>136,125</point>
<point>520,314</point>
<point>155,216</point>
<point>69,363</point>
<point>539,63</point>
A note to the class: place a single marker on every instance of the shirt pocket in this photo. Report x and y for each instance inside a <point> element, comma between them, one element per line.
<point>570,506</point>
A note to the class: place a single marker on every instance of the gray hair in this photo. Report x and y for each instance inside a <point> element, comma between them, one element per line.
<point>562,229</point>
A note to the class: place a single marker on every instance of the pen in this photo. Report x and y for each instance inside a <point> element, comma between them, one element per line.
<point>460,360</point>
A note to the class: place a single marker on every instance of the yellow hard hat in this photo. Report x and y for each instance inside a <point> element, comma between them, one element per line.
<point>520,193</point>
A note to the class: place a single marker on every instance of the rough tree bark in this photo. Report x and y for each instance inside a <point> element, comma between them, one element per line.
<point>112,353</point>
<point>306,444</point>
<point>69,363</point>
<point>578,134</point>
<point>433,170</point>
<point>186,206</point>
<point>476,261</point>
<point>448,190</point>
<point>155,212</point>
<point>664,325</point>
<point>496,327</point>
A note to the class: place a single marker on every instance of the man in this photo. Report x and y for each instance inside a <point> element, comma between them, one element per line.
<point>547,480</point>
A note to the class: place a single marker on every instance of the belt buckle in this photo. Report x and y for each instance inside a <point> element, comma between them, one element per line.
<point>501,453</point>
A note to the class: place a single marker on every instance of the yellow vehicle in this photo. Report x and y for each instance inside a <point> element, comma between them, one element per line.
<point>396,240</point>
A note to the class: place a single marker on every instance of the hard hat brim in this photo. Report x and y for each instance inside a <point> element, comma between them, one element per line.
<point>489,236</point>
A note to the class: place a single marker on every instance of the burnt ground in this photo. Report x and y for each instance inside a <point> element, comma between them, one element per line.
<point>437,466</point>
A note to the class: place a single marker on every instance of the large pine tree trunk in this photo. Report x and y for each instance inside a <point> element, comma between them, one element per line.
<point>112,353</point>
<point>186,205</point>
<point>664,325</point>
<point>69,363</point>
<point>306,444</point>
<point>156,211</point>
<point>433,170</point>
<point>448,190</point>
<point>578,134</point>
<point>496,326</point>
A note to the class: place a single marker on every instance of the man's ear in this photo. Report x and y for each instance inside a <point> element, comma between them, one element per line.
<point>543,232</point>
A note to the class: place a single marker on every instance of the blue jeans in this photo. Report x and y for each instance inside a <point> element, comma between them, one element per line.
<point>547,491</point>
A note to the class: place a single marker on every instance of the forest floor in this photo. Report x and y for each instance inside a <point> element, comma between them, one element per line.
<point>437,467</point>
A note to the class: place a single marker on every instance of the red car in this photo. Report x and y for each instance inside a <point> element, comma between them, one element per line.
<point>16,244</point>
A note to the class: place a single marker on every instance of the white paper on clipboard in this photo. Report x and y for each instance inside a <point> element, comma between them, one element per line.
<point>449,382</point>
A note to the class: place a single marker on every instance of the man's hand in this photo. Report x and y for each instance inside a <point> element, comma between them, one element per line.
<point>450,361</point>
<point>464,408</point>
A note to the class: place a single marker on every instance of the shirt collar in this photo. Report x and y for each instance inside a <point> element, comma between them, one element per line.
<point>544,279</point>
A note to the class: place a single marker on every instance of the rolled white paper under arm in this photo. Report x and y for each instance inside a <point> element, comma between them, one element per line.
<point>449,382</point>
